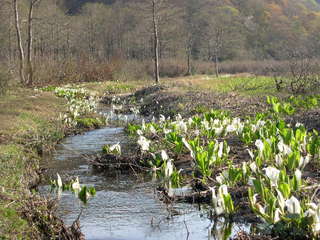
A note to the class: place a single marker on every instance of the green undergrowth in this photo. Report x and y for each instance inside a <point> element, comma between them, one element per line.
<point>89,122</point>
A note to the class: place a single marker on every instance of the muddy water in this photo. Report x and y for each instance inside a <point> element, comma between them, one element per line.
<point>125,207</point>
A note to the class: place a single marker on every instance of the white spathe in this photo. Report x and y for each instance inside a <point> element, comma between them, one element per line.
<point>293,205</point>
<point>273,174</point>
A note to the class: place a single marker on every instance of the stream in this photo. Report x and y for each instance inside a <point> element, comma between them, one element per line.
<point>125,206</point>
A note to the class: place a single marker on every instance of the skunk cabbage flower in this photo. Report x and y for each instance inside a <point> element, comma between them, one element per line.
<point>116,147</point>
<point>59,181</point>
<point>273,174</point>
<point>281,200</point>
<point>283,148</point>
<point>220,151</point>
<point>293,205</point>
<point>298,175</point>
<point>231,128</point>
<point>250,153</point>
<point>304,161</point>
<point>168,169</point>
<point>164,155</point>
<point>279,160</point>
<point>166,131</point>
<point>144,143</point>
<point>253,167</point>
<point>260,145</point>
<point>218,130</point>
<point>162,118</point>
<point>185,142</point>
<point>277,215</point>
<point>152,129</point>
<point>76,185</point>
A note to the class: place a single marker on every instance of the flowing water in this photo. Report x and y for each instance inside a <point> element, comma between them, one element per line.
<point>125,206</point>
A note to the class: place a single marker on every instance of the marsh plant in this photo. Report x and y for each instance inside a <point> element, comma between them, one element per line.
<point>81,191</point>
<point>273,172</point>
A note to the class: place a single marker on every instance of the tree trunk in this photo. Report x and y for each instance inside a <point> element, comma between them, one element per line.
<point>156,42</point>
<point>30,44</point>
<point>20,47</point>
<point>216,64</point>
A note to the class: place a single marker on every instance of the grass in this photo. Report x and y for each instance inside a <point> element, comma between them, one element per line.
<point>28,124</point>
<point>246,85</point>
<point>112,87</point>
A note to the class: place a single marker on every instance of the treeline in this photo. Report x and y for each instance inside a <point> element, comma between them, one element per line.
<point>115,39</point>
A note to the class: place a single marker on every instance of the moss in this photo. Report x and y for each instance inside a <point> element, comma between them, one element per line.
<point>89,122</point>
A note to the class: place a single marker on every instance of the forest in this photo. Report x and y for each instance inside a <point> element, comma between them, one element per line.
<point>115,39</point>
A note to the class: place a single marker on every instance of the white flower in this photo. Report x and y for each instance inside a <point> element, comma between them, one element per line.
<point>281,200</point>
<point>273,174</point>
<point>304,161</point>
<point>254,199</point>
<point>162,118</point>
<point>293,205</point>
<point>59,181</point>
<point>223,190</point>
<point>250,181</point>
<point>217,202</point>
<point>244,168</point>
<point>261,209</point>
<point>220,151</point>
<point>298,124</point>
<point>298,175</point>
<point>205,123</point>
<point>168,169</point>
<point>76,185</point>
<point>277,214</point>
<point>144,143</point>
<point>182,126</point>
<point>116,147</point>
<point>220,179</point>
<point>152,129</point>
<point>218,131</point>
<point>283,148</point>
<point>139,132</point>
<point>166,131</point>
<point>164,155</point>
<point>253,167</point>
<point>178,117</point>
<point>188,147</point>
<point>260,145</point>
<point>279,160</point>
<point>250,153</point>
<point>231,128</point>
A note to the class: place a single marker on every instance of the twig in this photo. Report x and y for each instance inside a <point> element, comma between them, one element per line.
<point>188,233</point>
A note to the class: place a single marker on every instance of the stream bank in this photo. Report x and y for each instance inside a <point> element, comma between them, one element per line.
<point>31,125</point>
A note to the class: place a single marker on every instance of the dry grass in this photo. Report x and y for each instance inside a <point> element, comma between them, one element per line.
<point>23,110</point>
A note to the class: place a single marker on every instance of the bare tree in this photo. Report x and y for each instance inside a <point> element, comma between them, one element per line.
<point>155,22</point>
<point>29,79</point>
<point>19,40</point>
